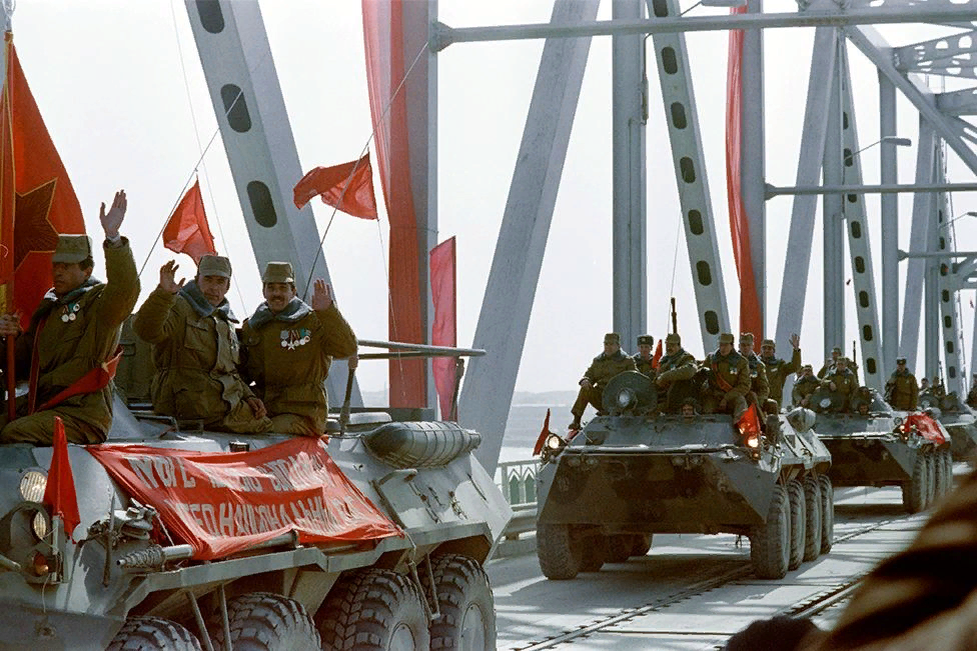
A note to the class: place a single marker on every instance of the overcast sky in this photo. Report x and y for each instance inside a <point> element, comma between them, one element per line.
<point>122,92</point>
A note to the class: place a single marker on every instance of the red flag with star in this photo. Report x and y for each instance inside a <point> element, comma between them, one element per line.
<point>37,201</point>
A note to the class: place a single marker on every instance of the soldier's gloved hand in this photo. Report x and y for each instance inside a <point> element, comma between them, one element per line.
<point>257,407</point>
<point>10,324</point>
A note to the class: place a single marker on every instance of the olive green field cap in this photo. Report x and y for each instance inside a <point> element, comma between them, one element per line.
<point>746,337</point>
<point>769,342</point>
<point>673,338</point>
<point>72,248</point>
<point>646,340</point>
<point>836,349</point>
<point>278,272</point>
<point>900,360</point>
<point>612,338</point>
<point>726,338</point>
<point>214,265</point>
<point>807,367</point>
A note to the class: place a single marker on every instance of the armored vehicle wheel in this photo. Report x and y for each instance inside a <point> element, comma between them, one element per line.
<point>262,621</point>
<point>798,518</point>
<point>465,600</point>
<point>153,634</point>
<point>931,473</point>
<point>594,554</point>
<point>620,547</point>
<point>812,524</point>
<point>942,480</point>
<point>642,543</point>
<point>373,610</point>
<point>827,513</point>
<point>915,491</point>
<point>559,554</point>
<point>770,541</point>
<point>948,460</point>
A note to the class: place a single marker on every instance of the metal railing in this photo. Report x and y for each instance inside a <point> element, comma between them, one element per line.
<point>517,479</point>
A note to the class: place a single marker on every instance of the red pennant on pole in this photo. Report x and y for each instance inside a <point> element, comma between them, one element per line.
<point>187,230</point>
<point>60,492</point>
<point>542,434</point>
<point>356,177</point>
<point>444,328</point>
<point>749,422</point>
<point>657,357</point>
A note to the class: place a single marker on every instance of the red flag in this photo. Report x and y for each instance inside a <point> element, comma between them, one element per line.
<point>657,357</point>
<point>60,491</point>
<point>355,177</point>
<point>444,329</point>
<point>749,422</point>
<point>187,230</point>
<point>542,434</point>
<point>39,203</point>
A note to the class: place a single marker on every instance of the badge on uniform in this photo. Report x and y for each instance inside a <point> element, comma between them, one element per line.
<point>70,312</point>
<point>292,339</point>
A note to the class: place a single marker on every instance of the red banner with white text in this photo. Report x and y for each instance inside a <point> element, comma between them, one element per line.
<point>225,502</point>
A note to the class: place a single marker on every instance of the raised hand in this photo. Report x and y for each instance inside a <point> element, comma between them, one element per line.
<point>112,220</point>
<point>795,341</point>
<point>321,296</point>
<point>167,278</point>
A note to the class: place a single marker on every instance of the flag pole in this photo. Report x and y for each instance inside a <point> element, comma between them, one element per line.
<point>11,374</point>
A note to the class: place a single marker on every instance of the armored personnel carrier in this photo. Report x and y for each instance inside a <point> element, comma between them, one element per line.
<point>958,419</point>
<point>190,539</point>
<point>633,472</point>
<point>872,444</point>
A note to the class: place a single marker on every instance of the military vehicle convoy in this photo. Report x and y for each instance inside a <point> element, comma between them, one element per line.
<point>634,472</point>
<point>128,580</point>
<point>958,419</point>
<point>872,444</point>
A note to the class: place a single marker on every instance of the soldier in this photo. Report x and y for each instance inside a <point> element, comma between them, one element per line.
<point>675,372</point>
<point>605,366</point>
<point>288,347</point>
<point>728,380</point>
<point>196,351</point>
<point>901,391</point>
<point>842,383</point>
<point>972,394</point>
<point>778,369</point>
<point>924,385</point>
<point>804,386</point>
<point>643,359</point>
<point>68,348</point>
<point>829,365</point>
<point>939,389</point>
<point>759,385</point>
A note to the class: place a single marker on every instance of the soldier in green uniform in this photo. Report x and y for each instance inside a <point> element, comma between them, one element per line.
<point>804,386</point>
<point>842,383</point>
<point>72,339</point>
<point>728,380</point>
<point>675,372</point>
<point>644,358</point>
<point>759,385</point>
<point>829,365</point>
<point>778,369</point>
<point>901,391</point>
<point>288,347</point>
<point>924,384</point>
<point>196,351</point>
<point>605,366</point>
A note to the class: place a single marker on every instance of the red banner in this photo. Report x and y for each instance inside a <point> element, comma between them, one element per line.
<point>928,428</point>
<point>225,502</point>
<point>187,230</point>
<point>348,187</point>
<point>444,329</point>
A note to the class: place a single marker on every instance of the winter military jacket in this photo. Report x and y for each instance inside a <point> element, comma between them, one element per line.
<point>605,366</point>
<point>758,378</point>
<point>829,368</point>
<point>901,391</point>
<point>804,388</point>
<point>677,367</point>
<point>288,354</point>
<point>196,352</point>
<point>972,397</point>
<point>777,372</point>
<point>845,383</point>
<point>729,376</point>
<point>79,332</point>
<point>644,365</point>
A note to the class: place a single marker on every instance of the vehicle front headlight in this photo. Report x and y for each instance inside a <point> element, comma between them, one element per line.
<point>39,526</point>
<point>554,442</point>
<point>33,485</point>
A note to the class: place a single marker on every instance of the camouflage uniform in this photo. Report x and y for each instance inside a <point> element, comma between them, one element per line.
<point>729,380</point>
<point>196,352</point>
<point>777,372</point>
<point>601,370</point>
<point>80,332</point>
<point>287,355</point>
<point>803,388</point>
<point>845,386</point>
<point>675,373</point>
<point>901,391</point>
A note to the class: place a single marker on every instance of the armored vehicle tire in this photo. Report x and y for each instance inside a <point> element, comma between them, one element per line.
<point>770,541</point>
<point>931,494</point>
<point>942,479</point>
<point>371,610</point>
<point>153,634</point>
<point>465,600</point>
<point>948,460</point>
<point>915,491</point>
<point>558,553</point>
<point>642,544</point>
<point>812,525</point>
<point>594,554</point>
<point>827,513</point>
<point>798,518</point>
<point>620,547</point>
<point>262,621</point>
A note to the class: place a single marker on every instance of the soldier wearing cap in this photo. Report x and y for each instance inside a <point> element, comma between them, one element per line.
<point>196,350</point>
<point>288,347</point>
<point>644,359</point>
<point>728,380</point>
<point>829,365</point>
<point>804,386</point>
<point>901,390</point>
<point>69,349</point>
<point>841,382</point>
<point>675,372</point>
<point>605,366</point>
<point>759,386</point>
<point>778,369</point>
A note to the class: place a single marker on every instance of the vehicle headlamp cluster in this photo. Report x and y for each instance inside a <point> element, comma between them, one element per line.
<point>33,483</point>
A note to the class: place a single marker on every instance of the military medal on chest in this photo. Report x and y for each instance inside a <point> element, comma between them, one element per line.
<point>70,312</point>
<point>292,339</point>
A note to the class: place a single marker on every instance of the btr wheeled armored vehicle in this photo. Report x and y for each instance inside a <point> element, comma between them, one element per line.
<point>185,539</point>
<point>872,444</point>
<point>958,419</point>
<point>633,471</point>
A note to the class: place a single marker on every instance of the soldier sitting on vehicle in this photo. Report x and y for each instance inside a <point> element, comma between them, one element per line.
<point>644,359</point>
<point>901,391</point>
<point>924,385</point>
<point>842,384</point>
<point>939,389</point>
<point>778,369</point>
<point>727,380</point>
<point>675,372</point>
<point>759,386</point>
<point>605,366</point>
<point>829,365</point>
<point>805,385</point>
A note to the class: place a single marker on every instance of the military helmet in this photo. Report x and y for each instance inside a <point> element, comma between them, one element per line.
<point>646,340</point>
<point>278,272</point>
<point>726,338</point>
<point>612,338</point>
<point>214,265</point>
<point>72,248</point>
<point>673,338</point>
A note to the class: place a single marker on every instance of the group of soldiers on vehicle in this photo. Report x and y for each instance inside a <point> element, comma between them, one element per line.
<point>268,378</point>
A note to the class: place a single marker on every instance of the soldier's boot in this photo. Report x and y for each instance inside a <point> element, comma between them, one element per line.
<point>575,424</point>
